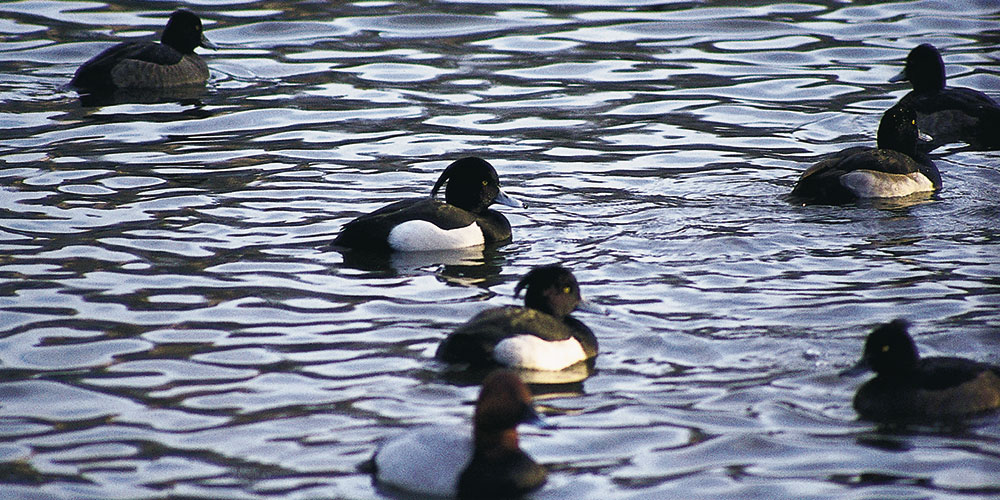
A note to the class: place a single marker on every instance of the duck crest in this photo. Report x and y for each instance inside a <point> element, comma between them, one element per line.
<point>551,289</point>
<point>458,193</point>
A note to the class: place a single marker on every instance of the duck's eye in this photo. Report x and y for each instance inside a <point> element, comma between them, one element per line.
<point>486,183</point>
<point>914,122</point>
<point>885,348</point>
<point>567,290</point>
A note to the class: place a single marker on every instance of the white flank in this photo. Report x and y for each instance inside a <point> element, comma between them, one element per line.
<point>873,184</point>
<point>428,461</point>
<point>533,353</point>
<point>420,235</point>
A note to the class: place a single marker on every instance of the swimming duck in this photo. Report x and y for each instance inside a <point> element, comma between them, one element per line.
<point>539,336</point>
<point>150,65</point>
<point>462,220</point>
<point>910,388</point>
<point>894,169</point>
<point>450,461</point>
<point>948,114</point>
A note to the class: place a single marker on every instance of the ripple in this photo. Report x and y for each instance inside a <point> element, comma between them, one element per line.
<point>396,72</point>
<point>440,25</point>
<point>52,401</point>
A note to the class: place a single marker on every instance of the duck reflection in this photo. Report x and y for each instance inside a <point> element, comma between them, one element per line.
<point>472,266</point>
<point>187,96</point>
<point>566,382</point>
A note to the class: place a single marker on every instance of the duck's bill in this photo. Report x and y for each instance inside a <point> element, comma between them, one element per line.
<point>901,77</point>
<point>208,44</point>
<point>923,137</point>
<point>504,199</point>
<point>532,418</point>
<point>588,306</point>
<point>858,369</point>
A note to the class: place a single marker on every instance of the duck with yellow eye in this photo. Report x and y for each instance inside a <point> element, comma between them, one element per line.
<point>542,335</point>
<point>148,64</point>
<point>462,220</point>
<point>908,388</point>
<point>894,169</point>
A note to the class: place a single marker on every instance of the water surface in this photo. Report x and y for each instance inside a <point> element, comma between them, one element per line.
<point>173,321</point>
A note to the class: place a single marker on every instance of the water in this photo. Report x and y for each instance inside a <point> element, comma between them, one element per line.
<point>173,322</point>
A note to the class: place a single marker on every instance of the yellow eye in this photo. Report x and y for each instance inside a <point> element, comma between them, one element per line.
<point>486,183</point>
<point>914,122</point>
<point>567,290</point>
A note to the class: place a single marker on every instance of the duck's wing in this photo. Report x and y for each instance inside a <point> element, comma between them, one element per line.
<point>970,101</point>
<point>937,373</point>
<point>880,160</point>
<point>474,341</point>
<point>98,70</point>
<point>821,181</point>
<point>444,215</point>
<point>371,231</point>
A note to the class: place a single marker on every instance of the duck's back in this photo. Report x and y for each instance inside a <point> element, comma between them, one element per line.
<point>956,114</point>
<point>475,341</point>
<point>373,231</point>
<point>939,388</point>
<point>941,372</point>
<point>141,65</point>
<point>864,172</point>
<point>428,461</point>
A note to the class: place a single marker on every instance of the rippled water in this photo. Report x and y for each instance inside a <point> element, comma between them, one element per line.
<point>173,321</point>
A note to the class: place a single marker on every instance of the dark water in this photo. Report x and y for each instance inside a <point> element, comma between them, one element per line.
<point>173,322</point>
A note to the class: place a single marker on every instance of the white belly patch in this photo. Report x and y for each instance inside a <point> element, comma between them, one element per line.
<point>420,235</point>
<point>873,184</point>
<point>533,353</point>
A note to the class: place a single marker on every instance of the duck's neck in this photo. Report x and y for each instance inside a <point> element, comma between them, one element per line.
<point>933,80</point>
<point>496,443</point>
<point>542,306</point>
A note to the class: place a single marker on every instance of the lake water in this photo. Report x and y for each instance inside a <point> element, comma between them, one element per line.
<point>174,323</point>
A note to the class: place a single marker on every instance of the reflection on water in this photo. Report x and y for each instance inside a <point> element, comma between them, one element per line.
<point>174,321</point>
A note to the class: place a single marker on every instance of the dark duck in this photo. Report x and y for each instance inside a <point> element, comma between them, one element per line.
<point>947,114</point>
<point>542,335</point>
<point>150,65</point>
<point>893,169</point>
<point>462,220</point>
<point>908,388</point>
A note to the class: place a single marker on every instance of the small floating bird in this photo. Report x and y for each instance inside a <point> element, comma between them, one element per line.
<point>539,336</point>
<point>948,114</point>
<point>910,388</point>
<point>463,220</point>
<point>486,463</point>
<point>150,65</point>
<point>894,169</point>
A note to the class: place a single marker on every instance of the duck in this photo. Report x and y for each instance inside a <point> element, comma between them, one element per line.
<point>947,114</point>
<point>449,461</point>
<point>541,336</point>
<point>462,220</point>
<point>910,388</point>
<point>150,65</point>
<point>894,169</point>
